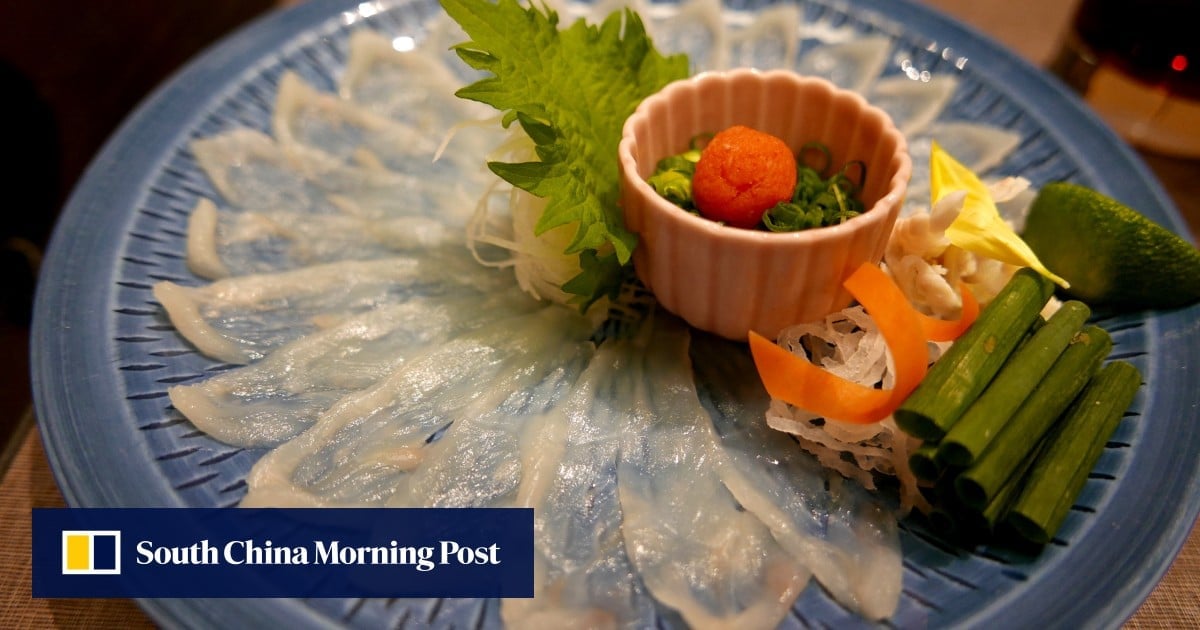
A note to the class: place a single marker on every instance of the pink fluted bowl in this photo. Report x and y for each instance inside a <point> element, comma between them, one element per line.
<point>728,280</point>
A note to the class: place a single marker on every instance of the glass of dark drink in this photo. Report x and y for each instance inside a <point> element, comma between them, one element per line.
<point>1137,63</point>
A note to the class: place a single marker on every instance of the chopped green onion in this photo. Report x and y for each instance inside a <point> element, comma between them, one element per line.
<point>1072,449</point>
<point>924,462</point>
<point>674,186</point>
<point>819,150</point>
<point>957,379</point>
<point>856,184</point>
<point>816,201</point>
<point>978,484</point>
<point>1017,378</point>
<point>697,143</point>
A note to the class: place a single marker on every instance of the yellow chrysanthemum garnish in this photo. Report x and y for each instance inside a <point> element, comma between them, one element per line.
<point>979,228</point>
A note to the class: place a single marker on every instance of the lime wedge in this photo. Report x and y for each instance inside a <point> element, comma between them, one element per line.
<point>1111,254</point>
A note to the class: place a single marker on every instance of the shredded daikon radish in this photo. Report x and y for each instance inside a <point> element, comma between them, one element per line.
<point>848,344</point>
<point>505,218</point>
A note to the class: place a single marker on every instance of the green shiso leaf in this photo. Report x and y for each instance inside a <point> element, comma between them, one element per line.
<point>571,90</point>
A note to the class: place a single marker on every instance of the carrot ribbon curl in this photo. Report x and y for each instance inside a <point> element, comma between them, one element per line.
<point>798,382</point>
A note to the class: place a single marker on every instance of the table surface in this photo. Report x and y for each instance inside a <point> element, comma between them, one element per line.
<point>1032,28</point>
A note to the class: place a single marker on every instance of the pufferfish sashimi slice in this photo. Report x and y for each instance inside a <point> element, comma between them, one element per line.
<point>219,242</point>
<point>252,171</point>
<point>691,543</point>
<point>243,318</point>
<point>846,535</point>
<point>362,450</point>
<point>583,576</point>
<point>472,464</point>
<point>274,399</point>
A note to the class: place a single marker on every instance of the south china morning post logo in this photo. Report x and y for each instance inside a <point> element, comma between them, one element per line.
<point>86,552</point>
<point>332,552</point>
<point>276,552</point>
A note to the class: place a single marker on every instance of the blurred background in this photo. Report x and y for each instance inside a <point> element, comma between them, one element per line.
<point>1136,63</point>
<point>73,71</point>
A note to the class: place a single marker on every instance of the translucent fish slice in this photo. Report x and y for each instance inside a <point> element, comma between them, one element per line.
<point>695,28</point>
<point>978,146</point>
<point>249,170</point>
<point>845,535</point>
<point>316,121</point>
<point>436,174</point>
<point>472,463</point>
<point>913,104</point>
<point>691,543</point>
<point>852,65</point>
<point>243,318</point>
<point>771,40</point>
<point>272,400</point>
<point>404,80</point>
<point>364,447</point>
<point>264,241</point>
<point>582,574</point>
<point>253,172</point>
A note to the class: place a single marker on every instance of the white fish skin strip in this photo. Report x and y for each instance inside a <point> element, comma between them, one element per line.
<point>696,550</point>
<point>361,450</point>
<point>582,575</point>
<point>241,319</point>
<point>845,535</point>
<point>202,257</point>
<point>274,399</point>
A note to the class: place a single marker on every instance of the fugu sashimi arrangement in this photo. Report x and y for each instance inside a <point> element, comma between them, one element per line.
<point>431,285</point>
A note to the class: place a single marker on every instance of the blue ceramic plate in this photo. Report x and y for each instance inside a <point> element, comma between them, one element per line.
<point>104,353</point>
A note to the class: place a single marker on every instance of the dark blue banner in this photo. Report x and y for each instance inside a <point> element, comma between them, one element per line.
<point>253,552</point>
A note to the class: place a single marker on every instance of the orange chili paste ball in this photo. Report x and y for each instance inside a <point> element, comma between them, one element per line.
<point>741,174</point>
